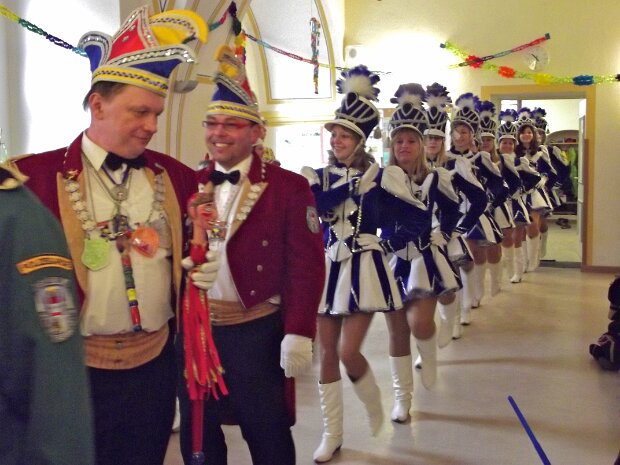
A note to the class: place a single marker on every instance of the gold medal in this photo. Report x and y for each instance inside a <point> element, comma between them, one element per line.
<point>145,240</point>
<point>96,253</point>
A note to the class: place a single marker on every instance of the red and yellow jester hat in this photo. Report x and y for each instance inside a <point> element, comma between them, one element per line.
<point>146,49</point>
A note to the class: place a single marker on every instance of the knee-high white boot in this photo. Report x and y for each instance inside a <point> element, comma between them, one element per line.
<point>330,396</point>
<point>524,245</point>
<point>543,244</point>
<point>495,270</point>
<point>447,317</point>
<point>508,255</point>
<point>533,247</point>
<point>457,329</point>
<point>519,265</point>
<point>368,392</point>
<point>466,297</point>
<point>402,382</point>
<point>428,351</point>
<point>478,274</point>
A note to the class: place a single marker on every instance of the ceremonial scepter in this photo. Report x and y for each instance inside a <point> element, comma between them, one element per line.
<point>203,370</point>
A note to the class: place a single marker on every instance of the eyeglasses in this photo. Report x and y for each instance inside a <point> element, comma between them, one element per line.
<point>228,126</point>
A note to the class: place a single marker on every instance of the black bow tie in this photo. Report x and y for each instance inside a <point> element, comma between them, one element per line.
<point>218,177</point>
<point>114,162</point>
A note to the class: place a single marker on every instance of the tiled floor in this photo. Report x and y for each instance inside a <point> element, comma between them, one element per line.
<point>530,342</point>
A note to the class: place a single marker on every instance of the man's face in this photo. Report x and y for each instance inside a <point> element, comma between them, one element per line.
<point>125,122</point>
<point>230,139</point>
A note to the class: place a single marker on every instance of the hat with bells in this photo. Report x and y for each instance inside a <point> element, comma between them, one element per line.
<point>233,95</point>
<point>146,49</point>
<point>410,113</point>
<point>466,113</point>
<point>538,114</point>
<point>507,128</point>
<point>356,111</point>
<point>488,123</point>
<point>437,100</point>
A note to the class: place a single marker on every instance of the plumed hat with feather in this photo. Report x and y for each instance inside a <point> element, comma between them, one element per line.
<point>538,114</point>
<point>410,113</point>
<point>507,128</point>
<point>466,113</point>
<point>488,123</point>
<point>437,101</point>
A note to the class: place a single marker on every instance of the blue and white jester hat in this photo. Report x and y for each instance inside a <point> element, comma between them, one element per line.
<point>541,123</point>
<point>437,100</point>
<point>410,113</point>
<point>488,123</point>
<point>508,126</point>
<point>356,111</point>
<point>466,113</point>
<point>233,95</point>
<point>146,49</point>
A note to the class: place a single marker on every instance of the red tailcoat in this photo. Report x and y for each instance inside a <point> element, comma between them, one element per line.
<point>276,247</point>
<point>47,171</point>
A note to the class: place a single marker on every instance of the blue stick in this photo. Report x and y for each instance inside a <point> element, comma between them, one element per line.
<point>529,432</point>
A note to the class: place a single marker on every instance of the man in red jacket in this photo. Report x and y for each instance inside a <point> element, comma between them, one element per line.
<point>122,208</point>
<point>264,301</point>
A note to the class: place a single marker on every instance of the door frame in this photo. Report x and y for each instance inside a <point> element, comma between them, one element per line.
<point>562,91</point>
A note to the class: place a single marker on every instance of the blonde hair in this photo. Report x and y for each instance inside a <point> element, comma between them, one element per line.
<point>420,167</point>
<point>441,157</point>
<point>361,159</point>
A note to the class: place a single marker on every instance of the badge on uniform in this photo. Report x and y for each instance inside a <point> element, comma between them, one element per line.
<point>55,307</point>
<point>312,219</point>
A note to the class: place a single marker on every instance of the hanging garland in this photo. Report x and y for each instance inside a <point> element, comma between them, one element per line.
<point>538,78</point>
<point>315,34</point>
<point>476,62</point>
<point>4,11</point>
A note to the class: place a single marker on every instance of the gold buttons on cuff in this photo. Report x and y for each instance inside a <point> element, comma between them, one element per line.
<point>265,243</point>
<point>259,268</point>
<point>252,293</point>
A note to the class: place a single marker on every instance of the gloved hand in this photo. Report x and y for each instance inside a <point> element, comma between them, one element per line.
<point>438,239</point>
<point>295,355</point>
<point>543,182</point>
<point>204,277</point>
<point>367,181</point>
<point>369,242</point>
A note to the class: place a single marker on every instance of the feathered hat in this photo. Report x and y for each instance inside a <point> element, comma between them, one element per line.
<point>146,49</point>
<point>488,123</point>
<point>357,111</point>
<point>410,113</point>
<point>508,127</point>
<point>525,119</point>
<point>233,96</point>
<point>438,100</point>
<point>467,113</point>
<point>538,114</point>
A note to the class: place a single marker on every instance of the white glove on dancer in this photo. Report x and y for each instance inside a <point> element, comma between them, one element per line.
<point>369,242</point>
<point>204,277</point>
<point>367,181</point>
<point>438,239</point>
<point>295,355</point>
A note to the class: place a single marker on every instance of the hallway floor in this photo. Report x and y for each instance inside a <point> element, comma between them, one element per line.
<point>530,342</point>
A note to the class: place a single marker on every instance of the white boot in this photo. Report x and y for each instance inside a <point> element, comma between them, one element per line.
<point>368,392</point>
<point>495,270</point>
<point>466,297</point>
<point>402,382</point>
<point>524,245</point>
<point>519,265</point>
<point>508,254</point>
<point>533,247</point>
<point>447,316</point>
<point>543,244</point>
<point>428,351</point>
<point>478,274</point>
<point>330,396</point>
<point>457,329</point>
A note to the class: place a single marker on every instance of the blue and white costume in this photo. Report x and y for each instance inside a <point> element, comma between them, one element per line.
<point>360,281</point>
<point>423,269</point>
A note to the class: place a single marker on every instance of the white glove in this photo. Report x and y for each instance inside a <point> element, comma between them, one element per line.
<point>367,181</point>
<point>542,183</point>
<point>204,277</point>
<point>438,239</point>
<point>295,355</point>
<point>369,242</point>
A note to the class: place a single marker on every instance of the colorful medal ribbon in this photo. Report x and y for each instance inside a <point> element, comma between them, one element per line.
<point>203,369</point>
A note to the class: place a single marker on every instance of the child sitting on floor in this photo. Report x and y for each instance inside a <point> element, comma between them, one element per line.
<point>606,351</point>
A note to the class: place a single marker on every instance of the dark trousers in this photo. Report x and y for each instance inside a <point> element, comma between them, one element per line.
<point>250,355</point>
<point>134,410</point>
